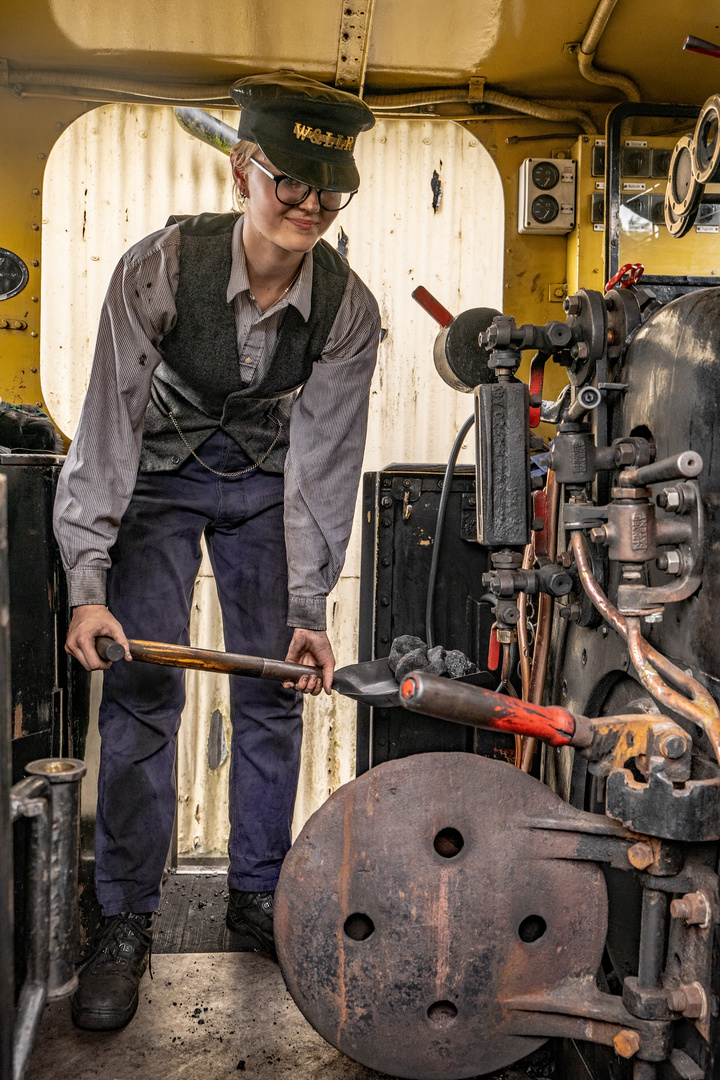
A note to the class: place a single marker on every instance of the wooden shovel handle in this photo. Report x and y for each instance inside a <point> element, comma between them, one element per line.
<point>156,652</point>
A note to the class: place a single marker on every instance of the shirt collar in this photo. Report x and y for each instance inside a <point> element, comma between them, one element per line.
<point>300,295</point>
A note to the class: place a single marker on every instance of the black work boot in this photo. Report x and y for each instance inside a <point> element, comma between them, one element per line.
<point>252,912</point>
<point>107,995</point>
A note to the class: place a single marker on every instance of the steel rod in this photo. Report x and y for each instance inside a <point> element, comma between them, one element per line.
<point>652,938</point>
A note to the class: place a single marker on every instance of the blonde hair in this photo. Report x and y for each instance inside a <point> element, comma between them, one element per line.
<point>239,159</point>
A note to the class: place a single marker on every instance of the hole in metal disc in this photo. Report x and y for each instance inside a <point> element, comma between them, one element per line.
<point>448,843</point>
<point>532,928</point>
<point>442,1012</point>
<point>359,927</point>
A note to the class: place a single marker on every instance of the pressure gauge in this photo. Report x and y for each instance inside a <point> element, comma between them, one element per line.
<point>545,175</point>
<point>13,274</point>
<point>546,196</point>
<point>544,209</point>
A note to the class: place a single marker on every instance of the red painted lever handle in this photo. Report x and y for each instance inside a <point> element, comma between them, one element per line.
<point>537,374</point>
<point>697,45</point>
<point>465,704</point>
<point>433,307</point>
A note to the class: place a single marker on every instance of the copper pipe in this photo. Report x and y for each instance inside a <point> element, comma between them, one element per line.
<point>541,652</point>
<point>512,692</point>
<point>523,647</point>
<point>591,587</point>
<point>698,706</point>
<point>700,709</point>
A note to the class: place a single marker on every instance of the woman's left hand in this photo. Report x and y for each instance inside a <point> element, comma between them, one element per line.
<point>313,648</point>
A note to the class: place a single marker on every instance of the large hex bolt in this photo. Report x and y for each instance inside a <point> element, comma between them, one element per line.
<point>689,999</point>
<point>627,1043</point>
<point>673,746</point>
<point>692,908</point>
<point>63,775</point>
<point>641,855</point>
<point>671,562</point>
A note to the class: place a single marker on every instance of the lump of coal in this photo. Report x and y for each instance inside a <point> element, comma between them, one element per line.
<point>417,660</point>
<point>457,664</point>
<point>403,645</point>
<point>436,661</point>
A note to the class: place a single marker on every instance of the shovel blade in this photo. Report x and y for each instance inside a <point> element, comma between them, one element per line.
<point>372,683</point>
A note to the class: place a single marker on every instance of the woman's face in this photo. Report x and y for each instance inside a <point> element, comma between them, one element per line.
<point>291,228</point>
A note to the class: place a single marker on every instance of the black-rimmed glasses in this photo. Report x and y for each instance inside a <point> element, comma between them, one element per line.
<point>291,192</point>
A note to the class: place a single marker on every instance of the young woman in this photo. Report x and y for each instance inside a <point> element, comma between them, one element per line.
<point>228,398</point>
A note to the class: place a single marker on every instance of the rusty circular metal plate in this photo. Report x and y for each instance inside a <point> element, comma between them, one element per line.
<point>419,901</point>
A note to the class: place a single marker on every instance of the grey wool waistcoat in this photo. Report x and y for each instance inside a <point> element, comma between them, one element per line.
<point>198,379</point>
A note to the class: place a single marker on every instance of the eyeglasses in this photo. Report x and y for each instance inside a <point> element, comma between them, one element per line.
<point>291,192</point>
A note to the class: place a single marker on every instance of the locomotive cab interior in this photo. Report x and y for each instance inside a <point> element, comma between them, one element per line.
<point>511,873</point>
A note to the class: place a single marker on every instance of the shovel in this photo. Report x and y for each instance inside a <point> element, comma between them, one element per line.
<point>371,683</point>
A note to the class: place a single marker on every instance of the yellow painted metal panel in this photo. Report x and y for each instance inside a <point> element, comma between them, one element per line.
<point>116,176</point>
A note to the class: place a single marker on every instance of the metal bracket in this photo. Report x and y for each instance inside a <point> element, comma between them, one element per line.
<point>476,94</point>
<point>690,813</point>
<point>576,1008</point>
<point>652,741</point>
<point>637,597</point>
<point>353,45</point>
<point>468,518</point>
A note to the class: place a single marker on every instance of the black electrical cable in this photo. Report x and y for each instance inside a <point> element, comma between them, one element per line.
<point>444,496</point>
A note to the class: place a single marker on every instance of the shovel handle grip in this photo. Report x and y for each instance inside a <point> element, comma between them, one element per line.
<point>463,704</point>
<point>185,656</point>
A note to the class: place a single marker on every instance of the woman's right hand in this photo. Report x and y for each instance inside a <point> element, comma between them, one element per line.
<point>90,621</point>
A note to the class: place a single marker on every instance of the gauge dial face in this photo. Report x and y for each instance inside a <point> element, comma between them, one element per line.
<point>13,274</point>
<point>544,209</point>
<point>545,175</point>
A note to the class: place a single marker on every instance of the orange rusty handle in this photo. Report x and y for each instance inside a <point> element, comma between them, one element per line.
<point>155,652</point>
<point>465,704</point>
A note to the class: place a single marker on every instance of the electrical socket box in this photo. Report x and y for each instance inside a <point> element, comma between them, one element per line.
<point>546,196</point>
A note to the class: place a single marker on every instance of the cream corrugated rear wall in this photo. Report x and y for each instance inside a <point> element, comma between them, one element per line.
<point>115,176</point>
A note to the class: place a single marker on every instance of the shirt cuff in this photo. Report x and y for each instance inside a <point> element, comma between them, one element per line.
<point>307,612</point>
<point>86,585</point>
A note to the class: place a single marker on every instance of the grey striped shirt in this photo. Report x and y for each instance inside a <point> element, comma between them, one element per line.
<point>327,429</point>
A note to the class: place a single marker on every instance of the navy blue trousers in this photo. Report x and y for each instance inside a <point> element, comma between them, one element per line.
<point>150,587</point>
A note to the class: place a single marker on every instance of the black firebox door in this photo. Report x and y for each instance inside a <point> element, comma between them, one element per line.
<point>399,517</point>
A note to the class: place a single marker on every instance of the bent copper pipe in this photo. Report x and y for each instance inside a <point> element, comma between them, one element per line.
<point>466,704</point>
<point>700,709</point>
<point>694,703</point>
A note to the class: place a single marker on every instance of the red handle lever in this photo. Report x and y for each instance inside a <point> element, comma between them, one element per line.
<point>433,307</point>
<point>537,374</point>
<point>493,660</point>
<point>697,45</point>
<point>465,704</point>
<point>627,275</point>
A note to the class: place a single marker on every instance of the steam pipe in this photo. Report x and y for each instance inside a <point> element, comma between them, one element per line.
<point>387,102</point>
<point>698,706</point>
<point>63,776</point>
<point>31,799</point>
<point>586,55</point>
